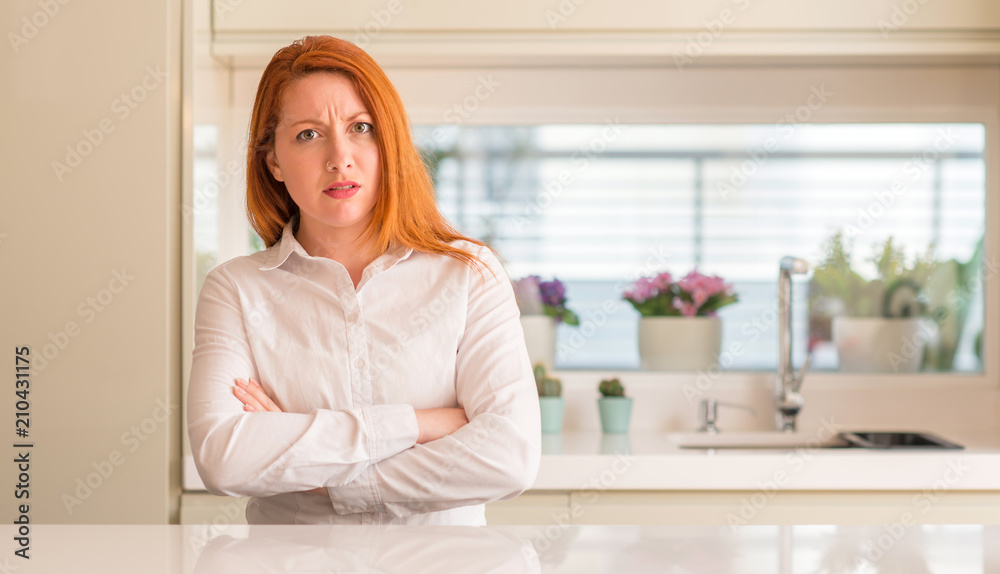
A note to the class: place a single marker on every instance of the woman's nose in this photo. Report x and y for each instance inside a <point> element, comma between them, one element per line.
<point>339,155</point>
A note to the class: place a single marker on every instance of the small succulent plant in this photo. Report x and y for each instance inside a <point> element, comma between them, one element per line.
<point>611,388</point>
<point>547,386</point>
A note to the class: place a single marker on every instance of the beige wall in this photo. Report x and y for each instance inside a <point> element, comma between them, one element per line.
<point>89,256</point>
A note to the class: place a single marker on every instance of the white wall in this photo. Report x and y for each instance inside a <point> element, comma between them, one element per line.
<point>109,370</point>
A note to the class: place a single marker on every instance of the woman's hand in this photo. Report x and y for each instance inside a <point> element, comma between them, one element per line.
<point>254,400</point>
<point>439,423</point>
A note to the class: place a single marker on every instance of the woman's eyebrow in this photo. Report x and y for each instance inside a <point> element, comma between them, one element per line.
<point>314,121</point>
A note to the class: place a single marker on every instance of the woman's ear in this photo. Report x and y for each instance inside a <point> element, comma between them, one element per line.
<point>272,165</point>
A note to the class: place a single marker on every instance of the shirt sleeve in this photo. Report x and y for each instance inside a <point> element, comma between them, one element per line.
<point>262,454</point>
<point>496,455</point>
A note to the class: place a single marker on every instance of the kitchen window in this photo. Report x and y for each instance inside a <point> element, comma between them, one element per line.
<point>597,205</point>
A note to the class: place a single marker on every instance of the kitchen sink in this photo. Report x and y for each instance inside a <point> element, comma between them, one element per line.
<point>787,440</point>
<point>761,439</point>
<point>898,440</point>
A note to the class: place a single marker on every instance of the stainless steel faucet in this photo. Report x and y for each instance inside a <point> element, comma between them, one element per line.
<point>709,412</point>
<point>787,400</point>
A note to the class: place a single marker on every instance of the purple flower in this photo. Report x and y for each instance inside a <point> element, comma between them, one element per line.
<point>553,292</point>
<point>537,297</point>
<point>527,292</point>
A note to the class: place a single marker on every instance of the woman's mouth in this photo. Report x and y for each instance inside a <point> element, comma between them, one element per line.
<point>342,189</point>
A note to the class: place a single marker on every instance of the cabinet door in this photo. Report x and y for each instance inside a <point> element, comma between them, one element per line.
<point>531,508</point>
<point>726,508</point>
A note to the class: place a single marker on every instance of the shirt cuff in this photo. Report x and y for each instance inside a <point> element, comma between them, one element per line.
<point>358,496</point>
<point>391,429</point>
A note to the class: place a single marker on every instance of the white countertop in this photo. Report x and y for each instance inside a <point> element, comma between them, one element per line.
<point>214,549</point>
<point>582,460</point>
<point>590,460</point>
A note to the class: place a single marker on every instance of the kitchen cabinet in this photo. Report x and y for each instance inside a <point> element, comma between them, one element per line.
<point>247,32</point>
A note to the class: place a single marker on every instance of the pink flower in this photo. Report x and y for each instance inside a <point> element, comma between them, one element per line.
<point>645,288</point>
<point>687,309</point>
<point>702,287</point>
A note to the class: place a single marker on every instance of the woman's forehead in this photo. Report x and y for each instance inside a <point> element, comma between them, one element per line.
<point>320,94</point>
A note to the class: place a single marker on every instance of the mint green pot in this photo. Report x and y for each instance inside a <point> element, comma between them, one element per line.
<point>616,412</point>
<point>552,414</point>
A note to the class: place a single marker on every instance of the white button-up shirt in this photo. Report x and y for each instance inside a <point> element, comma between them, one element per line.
<point>348,366</point>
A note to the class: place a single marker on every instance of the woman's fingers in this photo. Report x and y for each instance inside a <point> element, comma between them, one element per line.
<point>253,396</point>
<point>241,391</point>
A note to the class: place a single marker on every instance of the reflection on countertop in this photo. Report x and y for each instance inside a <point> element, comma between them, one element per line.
<point>409,549</point>
<point>221,549</point>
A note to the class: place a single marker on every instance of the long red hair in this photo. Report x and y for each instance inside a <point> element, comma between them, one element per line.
<point>405,210</point>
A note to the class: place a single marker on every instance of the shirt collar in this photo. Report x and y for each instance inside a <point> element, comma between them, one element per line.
<point>283,249</point>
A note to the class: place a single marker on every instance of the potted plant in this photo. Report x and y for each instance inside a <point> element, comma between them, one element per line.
<point>614,406</point>
<point>550,400</point>
<point>875,324</point>
<point>679,329</point>
<point>543,307</point>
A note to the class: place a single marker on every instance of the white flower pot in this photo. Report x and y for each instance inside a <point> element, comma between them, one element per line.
<point>881,345</point>
<point>540,338</point>
<point>679,343</point>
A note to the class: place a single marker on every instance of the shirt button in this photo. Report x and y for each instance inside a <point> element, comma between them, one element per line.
<point>360,363</point>
<point>352,317</point>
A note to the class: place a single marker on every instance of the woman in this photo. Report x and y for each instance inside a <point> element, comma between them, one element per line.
<point>356,371</point>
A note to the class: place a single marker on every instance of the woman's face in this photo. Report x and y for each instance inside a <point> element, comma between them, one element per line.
<point>324,121</point>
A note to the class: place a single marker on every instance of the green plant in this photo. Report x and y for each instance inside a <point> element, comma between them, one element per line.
<point>950,293</point>
<point>611,388</point>
<point>896,291</point>
<point>547,386</point>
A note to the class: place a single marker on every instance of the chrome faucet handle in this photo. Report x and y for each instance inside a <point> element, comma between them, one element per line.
<point>709,412</point>
<point>801,375</point>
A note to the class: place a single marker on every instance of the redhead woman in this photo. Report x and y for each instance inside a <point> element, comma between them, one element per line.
<point>363,369</point>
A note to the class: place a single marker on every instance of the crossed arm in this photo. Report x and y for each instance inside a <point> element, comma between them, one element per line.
<point>433,423</point>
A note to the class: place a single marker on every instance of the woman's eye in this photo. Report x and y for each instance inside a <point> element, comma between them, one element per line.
<point>307,135</point>
<point>365,127</point>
